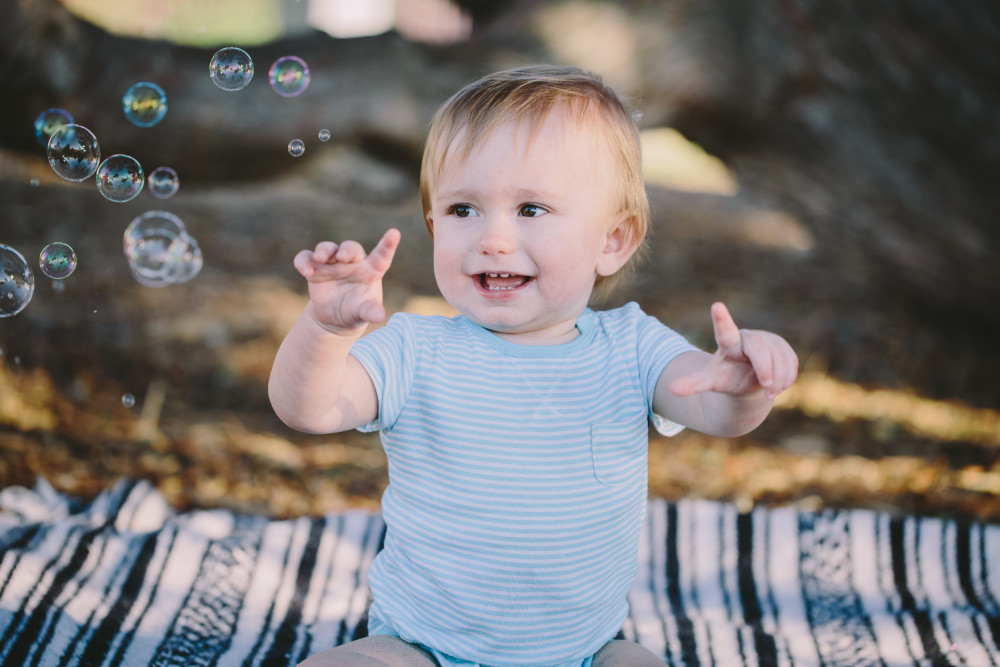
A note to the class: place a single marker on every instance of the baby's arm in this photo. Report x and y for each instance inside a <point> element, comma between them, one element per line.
<point>316,386</point>
<point>728,393</point>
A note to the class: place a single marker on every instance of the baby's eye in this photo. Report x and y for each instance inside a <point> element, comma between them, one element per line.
<point>461,210</point>
<point>531,210</point>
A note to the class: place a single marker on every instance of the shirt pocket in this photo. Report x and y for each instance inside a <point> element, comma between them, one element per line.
<point>619,450</point>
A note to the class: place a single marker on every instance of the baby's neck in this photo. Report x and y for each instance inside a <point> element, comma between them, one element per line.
<point>556,335</point>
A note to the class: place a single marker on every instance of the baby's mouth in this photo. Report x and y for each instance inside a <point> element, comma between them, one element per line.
<point>496,282</point>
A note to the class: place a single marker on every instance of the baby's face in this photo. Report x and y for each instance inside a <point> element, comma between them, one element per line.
<point>523,225</point>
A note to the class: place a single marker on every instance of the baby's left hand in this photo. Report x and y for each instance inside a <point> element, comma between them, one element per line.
<point>747,361</point>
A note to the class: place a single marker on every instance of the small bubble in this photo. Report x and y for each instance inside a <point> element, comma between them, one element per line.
<point>296,147</point>
<point>17,282</point>
<point>324,135</point>
<point>58,286</point>
<point>34,182</point>
<point>74,153</point>
<point>145,104</point>
<point>57,260</point>
<point>120,178</point>
<point>289,76</point>
<point>638,115</point>
<point>231,68</point>
<point>49,121</point>
<point>128,400</point>
<point>159,250</point>
<point>163,182</point>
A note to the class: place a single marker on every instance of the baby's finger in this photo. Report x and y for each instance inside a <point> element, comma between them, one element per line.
<point>303,263</point>
<point>695,383</point>
<point>350,252</point>
<point>324,251</point>
<point>787,369</point>
<point>727,334</point>
<point>757,350</point>
<point>382,254</point>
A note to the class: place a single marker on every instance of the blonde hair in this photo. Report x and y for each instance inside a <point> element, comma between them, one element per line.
<point>529,94</point>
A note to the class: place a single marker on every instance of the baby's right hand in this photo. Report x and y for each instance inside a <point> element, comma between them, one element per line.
<point>345,285</point>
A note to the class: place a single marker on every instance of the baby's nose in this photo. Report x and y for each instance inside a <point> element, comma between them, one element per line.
<point>497,237</point>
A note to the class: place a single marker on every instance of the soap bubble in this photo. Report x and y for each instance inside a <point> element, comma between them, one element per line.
<point>163,182</point>
<point>145,104</point>
<point>188,265</point>
<point>296,147</point>
<point>231,68</point>
<point>74,152</point>
<point>128,400</point>
<point>159,250</point>
<point>17,282</point>
<point>324,136</point>
<point>120,178</point>
<point>57,260</point>
<point>49,121</point>
<point>289,76</point>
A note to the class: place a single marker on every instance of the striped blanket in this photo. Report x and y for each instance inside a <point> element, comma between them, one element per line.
<point>124,580</point>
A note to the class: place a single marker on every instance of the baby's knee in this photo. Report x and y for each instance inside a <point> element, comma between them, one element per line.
<point>624,653</point>
<point>376,651</point>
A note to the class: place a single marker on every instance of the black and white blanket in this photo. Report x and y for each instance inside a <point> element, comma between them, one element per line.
<point>124,580</point>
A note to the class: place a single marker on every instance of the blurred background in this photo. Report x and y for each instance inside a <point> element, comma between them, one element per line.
<point>828,169</point>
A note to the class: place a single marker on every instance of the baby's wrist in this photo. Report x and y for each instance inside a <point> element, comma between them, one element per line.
<point>351,333</point>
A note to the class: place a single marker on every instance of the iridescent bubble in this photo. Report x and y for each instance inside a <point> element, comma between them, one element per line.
<point>120,178</point>
<point>289,76</point>
<point>159,250</point>
<point>144,104</point>
<point>296,147</point>
<point>74,152</point>
<point>17,282</point>
<point>49,121</point>
<point>57,260</point>
<point>163,182</point>
<point>231,68</point>
<point>188,265</point>
<point>128,400</point>
<point>324,136</point>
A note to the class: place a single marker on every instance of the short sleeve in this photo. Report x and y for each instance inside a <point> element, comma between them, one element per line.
<point>387,354</point>
<point>657,345</point>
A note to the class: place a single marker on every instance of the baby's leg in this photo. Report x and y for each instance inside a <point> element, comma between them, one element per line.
<point>376,651</point>
<point>623,653</point>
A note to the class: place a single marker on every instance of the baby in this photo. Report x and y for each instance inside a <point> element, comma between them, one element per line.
<point>516,432</point>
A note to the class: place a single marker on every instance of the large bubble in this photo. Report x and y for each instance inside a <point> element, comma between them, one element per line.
<point>289,76</point>
<point>49,121</point>
<point>231,68</point>
<point>144,104</point>
<point>120,178</point>
<point>74,152</point>
<point>163,182</point>
<point>159,250</point>
<point>17,282</point>
<point>57,260</point>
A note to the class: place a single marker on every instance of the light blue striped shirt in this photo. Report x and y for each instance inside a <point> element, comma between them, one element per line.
<point>517,482</point>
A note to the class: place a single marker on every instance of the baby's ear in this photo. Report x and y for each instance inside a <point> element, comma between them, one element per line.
<point>429,221</point>
<point>620,244</point>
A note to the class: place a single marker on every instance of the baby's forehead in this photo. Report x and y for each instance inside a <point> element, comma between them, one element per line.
<point>577,125</point>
